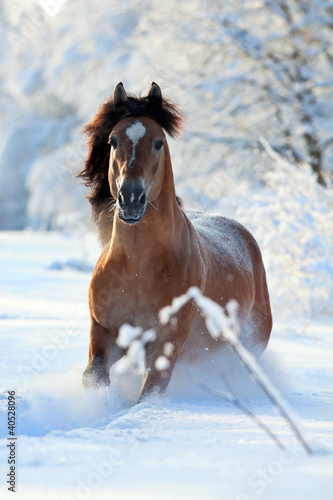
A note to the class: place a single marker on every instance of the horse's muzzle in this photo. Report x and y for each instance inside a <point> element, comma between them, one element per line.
<point>132,202</point>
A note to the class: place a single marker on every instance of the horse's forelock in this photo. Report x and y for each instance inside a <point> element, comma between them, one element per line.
<point>166,114</point>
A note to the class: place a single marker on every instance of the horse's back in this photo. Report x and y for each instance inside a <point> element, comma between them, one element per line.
<point>226,240</point>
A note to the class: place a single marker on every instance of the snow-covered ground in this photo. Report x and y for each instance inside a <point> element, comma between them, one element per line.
<point>74,444</point>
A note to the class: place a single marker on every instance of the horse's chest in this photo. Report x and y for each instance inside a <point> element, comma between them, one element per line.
<point>135,294</point>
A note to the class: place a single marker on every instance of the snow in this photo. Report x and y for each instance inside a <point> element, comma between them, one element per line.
<point>78,444</point>
<point>162,363</point>
<point>127,334</point>
<point>168,349</point>
<point>218,323</point>
<point>135,340</point>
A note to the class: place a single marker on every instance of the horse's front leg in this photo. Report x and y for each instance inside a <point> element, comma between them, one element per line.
<point>102,342</point>
<point>162,355</point>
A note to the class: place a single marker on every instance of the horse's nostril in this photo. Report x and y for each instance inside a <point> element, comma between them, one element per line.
<point>142,198</point>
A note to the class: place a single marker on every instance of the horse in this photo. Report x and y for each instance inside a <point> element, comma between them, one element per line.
<point>153,250</point>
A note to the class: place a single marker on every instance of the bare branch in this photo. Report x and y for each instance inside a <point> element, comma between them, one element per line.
<point>232,399</point>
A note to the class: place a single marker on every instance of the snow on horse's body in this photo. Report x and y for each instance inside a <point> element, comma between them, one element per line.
<point>153,251</point>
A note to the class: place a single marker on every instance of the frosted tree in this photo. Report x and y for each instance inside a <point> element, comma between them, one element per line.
<point>247,69</point>
<point>282,53</point>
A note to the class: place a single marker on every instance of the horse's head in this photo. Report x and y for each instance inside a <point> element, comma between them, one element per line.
<point>127,150</point>
<point>136,166</point>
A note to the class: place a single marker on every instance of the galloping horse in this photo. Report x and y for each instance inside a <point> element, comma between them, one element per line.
<point>153,250</point>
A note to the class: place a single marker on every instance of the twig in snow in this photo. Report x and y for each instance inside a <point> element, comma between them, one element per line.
<point>256,419</point>
<point>226,328</point>
<point>231,398</point>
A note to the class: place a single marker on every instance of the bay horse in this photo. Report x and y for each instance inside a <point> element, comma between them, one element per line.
<point>154,251</point>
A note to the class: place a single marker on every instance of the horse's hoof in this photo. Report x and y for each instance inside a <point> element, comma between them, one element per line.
<point>94,381</point>
<point>95,375</point>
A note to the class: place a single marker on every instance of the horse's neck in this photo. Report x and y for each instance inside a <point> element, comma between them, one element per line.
<point>163,224</point>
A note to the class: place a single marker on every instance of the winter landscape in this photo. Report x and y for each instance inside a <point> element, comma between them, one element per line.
<point>255,81</point>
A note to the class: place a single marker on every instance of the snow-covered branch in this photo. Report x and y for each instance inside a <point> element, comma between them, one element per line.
<point>226,327</point>
<point>134,340</point>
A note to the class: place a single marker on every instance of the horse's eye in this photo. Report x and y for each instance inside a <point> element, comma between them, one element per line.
<point>158,144</point>
<point>113,142</point>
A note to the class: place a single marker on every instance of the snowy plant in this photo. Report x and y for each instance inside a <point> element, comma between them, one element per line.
<point>224,325</point>
<point>133,339</point>
<point>293,220</point>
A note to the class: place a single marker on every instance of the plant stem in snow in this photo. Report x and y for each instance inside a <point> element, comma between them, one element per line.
<point>231,398</point>
<point>226,327</point>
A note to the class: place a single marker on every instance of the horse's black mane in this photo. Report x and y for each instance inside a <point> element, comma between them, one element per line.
<point>95,171</point>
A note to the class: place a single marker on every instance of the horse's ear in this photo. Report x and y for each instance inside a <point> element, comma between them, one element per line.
<point>119,95</point>
<point>155,93</point>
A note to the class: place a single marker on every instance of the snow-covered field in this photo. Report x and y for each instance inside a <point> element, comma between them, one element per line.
<point>187,444</point>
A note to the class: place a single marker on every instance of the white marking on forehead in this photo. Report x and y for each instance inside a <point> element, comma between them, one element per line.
<point>135,132</point>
